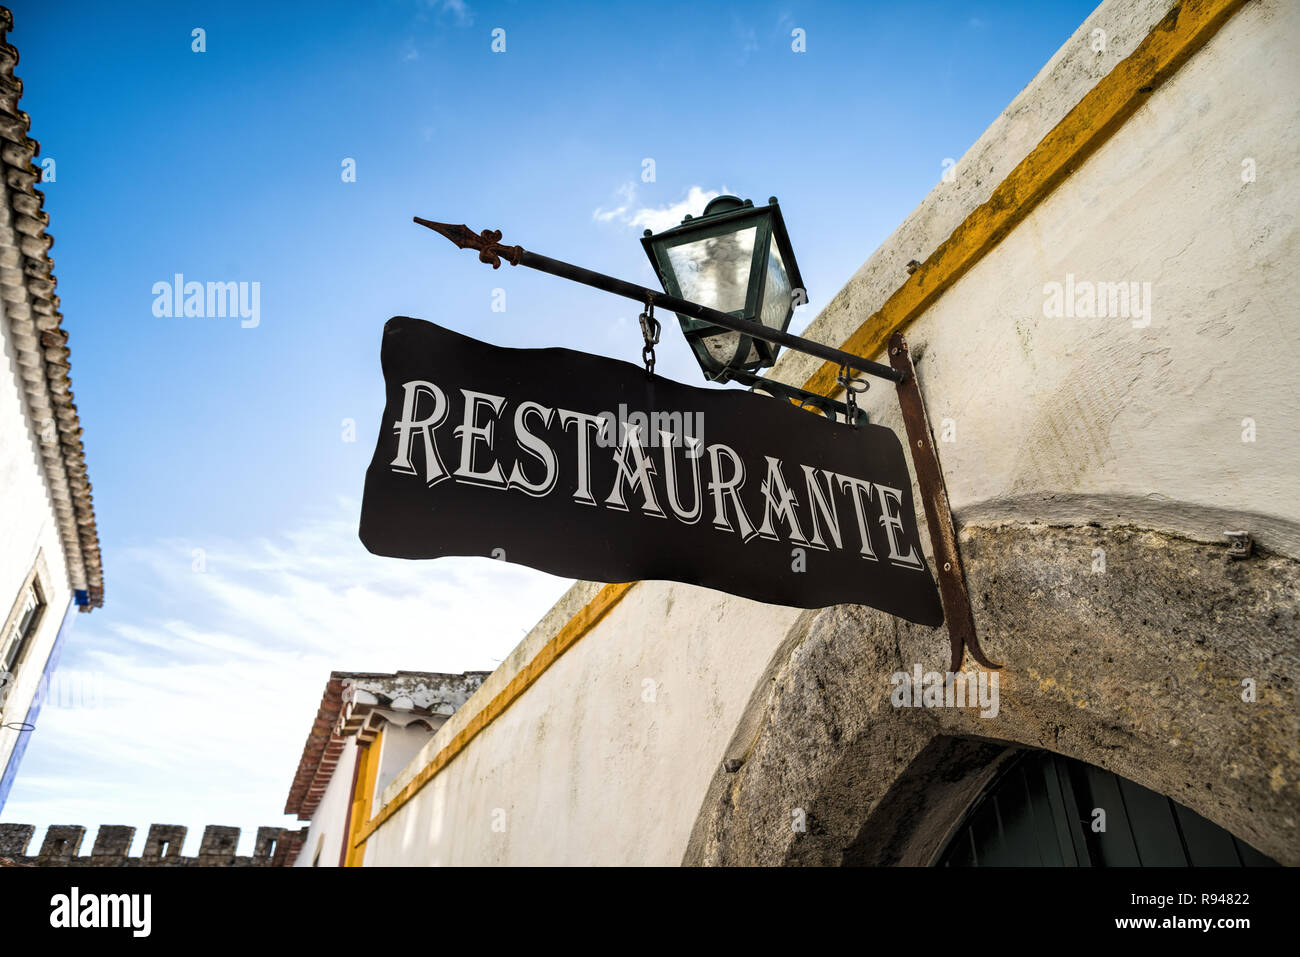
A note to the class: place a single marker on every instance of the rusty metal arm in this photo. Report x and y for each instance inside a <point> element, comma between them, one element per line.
<point>938,517</point>
<point>491,251</point>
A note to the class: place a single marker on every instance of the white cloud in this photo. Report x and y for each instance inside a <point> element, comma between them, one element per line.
<point>203,696</point>
<point>655,218</point>
<point>627,193</point>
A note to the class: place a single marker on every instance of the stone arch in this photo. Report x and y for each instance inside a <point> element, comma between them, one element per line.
<point>1138,670</point>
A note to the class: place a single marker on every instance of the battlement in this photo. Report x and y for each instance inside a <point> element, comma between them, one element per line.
<point>275,847</point>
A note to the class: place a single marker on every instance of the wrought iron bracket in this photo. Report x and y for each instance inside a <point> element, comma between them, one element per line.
<point>800,397</point>
<point>491,251</point>
<point>900,371</point>
<point>1239,545</point>
<point>938,516</point>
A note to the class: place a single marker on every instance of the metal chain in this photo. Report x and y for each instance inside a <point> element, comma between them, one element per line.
<point>852,387</point>
<point>650,329</point>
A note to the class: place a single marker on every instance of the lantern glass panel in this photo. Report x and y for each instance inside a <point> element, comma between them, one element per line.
<point>715,271</point>
<point>777,301</point>
<point>723,345</point>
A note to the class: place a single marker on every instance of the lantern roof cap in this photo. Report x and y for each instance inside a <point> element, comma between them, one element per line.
<point>716,210</point>
<point>723,204</point>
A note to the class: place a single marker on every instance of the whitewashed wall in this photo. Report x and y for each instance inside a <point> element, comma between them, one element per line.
<point>1103,419</point>
<point>28,528</point>
<point>326,830</point>
<point>399,745</point>
<point>1056,419</point>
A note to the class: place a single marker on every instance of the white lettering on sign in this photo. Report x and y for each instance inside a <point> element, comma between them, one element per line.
<point>677,469</point>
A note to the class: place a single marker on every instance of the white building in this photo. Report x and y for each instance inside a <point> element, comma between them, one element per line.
<point>1095,448</point>
<point>49,547</point>
<point>368,728</point>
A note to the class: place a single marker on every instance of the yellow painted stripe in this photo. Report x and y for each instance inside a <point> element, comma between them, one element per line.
<point>367,773</point>
<point>1103,110</point>
<point>568,636</point>
<point>1096,117</point>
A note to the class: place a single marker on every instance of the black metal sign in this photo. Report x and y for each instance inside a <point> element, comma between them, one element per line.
<point>589,468</point>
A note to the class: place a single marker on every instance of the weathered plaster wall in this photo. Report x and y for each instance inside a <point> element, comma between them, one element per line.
<point>1076,419</point>
<point>1062,421</point>
<point>606,759</point>
<point>27,529</point>
<point>1043,103</point>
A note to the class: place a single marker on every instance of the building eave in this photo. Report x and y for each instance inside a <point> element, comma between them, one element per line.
<point>350,701</point>
<point>31,308</point>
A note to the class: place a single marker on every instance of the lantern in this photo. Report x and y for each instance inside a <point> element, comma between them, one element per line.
<point>735,258</point>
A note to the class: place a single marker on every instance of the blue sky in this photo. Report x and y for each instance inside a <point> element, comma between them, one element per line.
<point>225,492</point>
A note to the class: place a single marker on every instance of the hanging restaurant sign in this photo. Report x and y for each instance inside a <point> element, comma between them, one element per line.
<point>588,467</point>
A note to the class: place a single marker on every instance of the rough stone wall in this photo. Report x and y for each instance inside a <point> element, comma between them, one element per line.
<point>1137,668</point>
<point>275,847</point>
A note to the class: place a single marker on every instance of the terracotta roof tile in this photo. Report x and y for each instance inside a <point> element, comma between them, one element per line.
<point>27,286</point>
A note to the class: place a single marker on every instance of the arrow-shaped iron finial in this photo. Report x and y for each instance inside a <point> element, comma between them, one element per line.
<point>488,242</point>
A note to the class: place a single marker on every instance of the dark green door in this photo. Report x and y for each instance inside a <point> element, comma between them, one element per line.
<point>1043,811</point>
